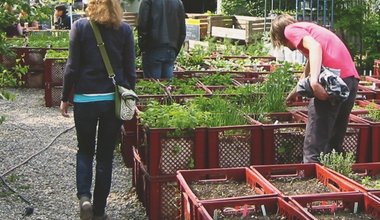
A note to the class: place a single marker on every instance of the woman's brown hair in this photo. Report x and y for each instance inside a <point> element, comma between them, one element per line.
<point>105,12</point>
<point>278,27</point>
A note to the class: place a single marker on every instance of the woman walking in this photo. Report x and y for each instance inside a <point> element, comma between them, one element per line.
<point>94,109</point>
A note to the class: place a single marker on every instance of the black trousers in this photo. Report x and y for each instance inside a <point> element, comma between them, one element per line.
<point>327,124</point>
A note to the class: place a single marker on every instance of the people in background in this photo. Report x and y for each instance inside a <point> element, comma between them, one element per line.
<point>63,20</point>
<point>327,122</point>
<point>161,31</point>
<point>96,124</point>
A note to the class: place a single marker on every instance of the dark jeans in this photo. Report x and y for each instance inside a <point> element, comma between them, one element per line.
<point>89,118</point>
<point>159,63</point>
<point>327,124</point>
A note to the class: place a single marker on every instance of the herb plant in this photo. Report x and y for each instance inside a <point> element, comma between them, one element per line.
<point>340,162</point>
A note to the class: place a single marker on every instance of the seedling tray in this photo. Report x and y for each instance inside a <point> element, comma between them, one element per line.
<point>191,202</point>
<point>271,173</point>
<point>351,205</point>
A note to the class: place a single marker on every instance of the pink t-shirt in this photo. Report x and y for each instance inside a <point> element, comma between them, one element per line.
<point>334,53</point>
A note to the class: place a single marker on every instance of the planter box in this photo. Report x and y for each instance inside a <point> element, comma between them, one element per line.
<point>283,141</point>
<point>356,139</point>
<point>53,94</point>
<point>159,194</point>
<point>237,27</point>
<point>362,170</point>
<point>54,70</point>
<point>165,154</point>
<point>345,202</point>
<point>302,171</point>
<point>128,139</point>
<point>272,206</point>
<point>374,141</point>
<point>365,93</point>
<point>234,146</point>
<point>190,202</point>
<point>375,195</point>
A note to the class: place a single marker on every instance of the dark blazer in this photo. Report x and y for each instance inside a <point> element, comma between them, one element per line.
<point>85,70</point>
<point>161,23</point>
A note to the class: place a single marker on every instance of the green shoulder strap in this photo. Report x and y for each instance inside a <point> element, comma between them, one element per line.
<point>102,49</point>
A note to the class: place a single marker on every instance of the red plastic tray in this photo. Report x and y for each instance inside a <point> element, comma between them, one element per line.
<point>190,202</point>
<point>270,205</point>
<point>346,202</point>
<point>361,169</point>
<point>311,170</point>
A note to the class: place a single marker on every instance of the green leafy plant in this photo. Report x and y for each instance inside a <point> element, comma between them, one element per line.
<point>12,77</point>
<point>148,87</point>
<point>369,182</point>
<point>56,54</point>
<point>180,117</point>
<point>339,162</point>
<point>373,111</point>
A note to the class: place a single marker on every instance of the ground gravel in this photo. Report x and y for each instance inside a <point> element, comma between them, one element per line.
<point>48,180</point>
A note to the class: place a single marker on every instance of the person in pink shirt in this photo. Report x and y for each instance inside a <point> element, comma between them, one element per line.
<point>327,123</point>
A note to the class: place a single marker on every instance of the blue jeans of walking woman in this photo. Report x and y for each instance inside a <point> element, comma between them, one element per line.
<point>91,118</point>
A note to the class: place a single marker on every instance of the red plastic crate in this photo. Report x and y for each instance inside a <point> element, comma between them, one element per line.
<point>375,195</point>
<point>361,169</point>
<point>270,205</point>
<point>356,139</point>
<point>311,170</point>
<point>54,70</point>
<point>159,194</point>
<point>165,154</point>
<point>345,202</point>
<point>128,139</point>
<point>374,141</point>
<point>234,146</point>
<point>190,202</point>
<point>365,93</point>
<point>283,142</point>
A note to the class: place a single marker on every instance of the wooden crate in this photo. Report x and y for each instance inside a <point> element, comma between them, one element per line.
<point>131,18</point>
<point>237,27</point>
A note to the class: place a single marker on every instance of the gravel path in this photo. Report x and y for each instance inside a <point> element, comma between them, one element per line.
<point>48,180</point>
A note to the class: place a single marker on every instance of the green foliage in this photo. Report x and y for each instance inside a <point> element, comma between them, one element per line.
<point>339,162</point>
<point>49,39</point>
<point>12,77</point>
<point>243,7</point>
<point>358,24</point>
<point>183,86</point>
<point>276,87</point>
<point>56,54</point>
<point>148,87</point>
<point>373,111</point>
<point>180,117</point>
<point>370,182</point>
<point>220,112</point>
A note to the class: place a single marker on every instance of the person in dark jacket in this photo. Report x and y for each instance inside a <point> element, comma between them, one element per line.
<point>94,105</point>
<point>162,31</point>
<point>64,21</point>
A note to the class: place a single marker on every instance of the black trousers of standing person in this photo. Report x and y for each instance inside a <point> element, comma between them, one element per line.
<point>327,124</point>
